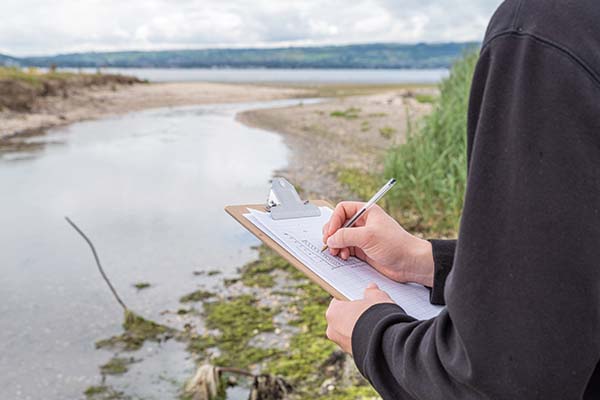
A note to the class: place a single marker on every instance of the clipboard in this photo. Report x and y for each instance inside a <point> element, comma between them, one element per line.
<point>237,212</point>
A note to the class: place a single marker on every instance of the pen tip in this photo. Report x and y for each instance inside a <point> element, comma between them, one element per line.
<point>324,248</point>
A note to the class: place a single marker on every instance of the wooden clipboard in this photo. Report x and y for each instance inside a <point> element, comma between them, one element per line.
<point>237,212</point>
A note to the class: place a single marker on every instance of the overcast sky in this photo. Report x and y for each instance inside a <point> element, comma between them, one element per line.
<point>32,27</point>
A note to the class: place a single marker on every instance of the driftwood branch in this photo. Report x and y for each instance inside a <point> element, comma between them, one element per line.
<point>89,242</point>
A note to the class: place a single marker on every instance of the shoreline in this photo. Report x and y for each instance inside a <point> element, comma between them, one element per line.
<point>104,101</point>
<point>342,139</point>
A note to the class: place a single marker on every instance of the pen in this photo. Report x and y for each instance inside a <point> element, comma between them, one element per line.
<point>376,197</point>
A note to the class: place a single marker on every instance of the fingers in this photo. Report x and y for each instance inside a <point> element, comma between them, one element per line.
<point>345,253</point>
<point>343,212</point>
<point>325,230</point>
<point>349,237</point>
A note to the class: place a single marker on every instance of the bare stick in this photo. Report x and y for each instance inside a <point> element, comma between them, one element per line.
<point>89,242</point>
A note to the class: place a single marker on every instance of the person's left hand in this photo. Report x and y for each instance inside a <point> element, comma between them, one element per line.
<point>342,315</point>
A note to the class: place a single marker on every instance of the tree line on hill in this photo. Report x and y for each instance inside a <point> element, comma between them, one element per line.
<point>377,56</point>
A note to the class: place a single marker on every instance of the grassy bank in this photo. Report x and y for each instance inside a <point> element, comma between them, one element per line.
<point>431,166</point>
<point>20,89</point>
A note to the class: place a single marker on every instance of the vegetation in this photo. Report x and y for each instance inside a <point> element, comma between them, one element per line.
<point>425,98</point>
<point>353,89</point>
<point>32,76</point>
<point>305,363</point>
<point>354,56</point>
<point>360,182</point>
<point>141,285</point>
<point>350,113</point>
<point>387,132</point>
<point>103,392</point>
<point>238,320</point>
<point>197,295</point>
<point>258,273</point>
<point>21,88</point>
<point>136,331</point>
<point>431,166</point>
<point>117,365</point>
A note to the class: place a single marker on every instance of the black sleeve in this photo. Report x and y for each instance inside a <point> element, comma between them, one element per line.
<point>523,297</point>
<point>443,258</point>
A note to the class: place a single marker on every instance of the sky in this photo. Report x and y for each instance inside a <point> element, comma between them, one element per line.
<point>42,27</point>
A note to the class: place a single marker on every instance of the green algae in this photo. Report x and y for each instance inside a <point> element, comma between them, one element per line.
<point>141,285</point>
<point>310,348</point>
<point>137,330</point>
<point>258,273</point>
<point>238,320</point>
<point>198,295</point>
<point>103,392</point>
<point>350,113</point>
<point>117,365</point>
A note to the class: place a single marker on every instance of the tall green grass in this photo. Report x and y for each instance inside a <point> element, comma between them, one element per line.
<point>431,166</point>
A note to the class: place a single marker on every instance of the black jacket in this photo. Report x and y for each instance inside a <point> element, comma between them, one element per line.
<point>523,284</point>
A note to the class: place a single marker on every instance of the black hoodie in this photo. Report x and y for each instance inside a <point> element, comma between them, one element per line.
<point>523,291</point>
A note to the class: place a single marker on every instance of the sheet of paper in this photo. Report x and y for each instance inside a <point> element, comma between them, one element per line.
<point>302,237</point>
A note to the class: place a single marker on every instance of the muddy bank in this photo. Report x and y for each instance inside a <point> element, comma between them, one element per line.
<point>340,139</point>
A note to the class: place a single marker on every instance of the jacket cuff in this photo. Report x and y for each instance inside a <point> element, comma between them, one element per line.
<point>363,330</point>
<point>443,258</point>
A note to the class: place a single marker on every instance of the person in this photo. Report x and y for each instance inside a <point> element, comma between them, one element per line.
<point>521,284</point>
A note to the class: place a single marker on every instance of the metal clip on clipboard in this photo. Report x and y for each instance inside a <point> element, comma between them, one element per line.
<point>285,203</point>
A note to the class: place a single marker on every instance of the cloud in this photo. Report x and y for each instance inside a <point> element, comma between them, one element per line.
<point>29,27</point>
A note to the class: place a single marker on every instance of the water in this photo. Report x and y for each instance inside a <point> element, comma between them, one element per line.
<point>149,189</point>
<point>254,75</point>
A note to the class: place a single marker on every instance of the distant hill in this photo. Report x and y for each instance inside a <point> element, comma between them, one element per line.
<point>353,56</point>
<point>7,60</point>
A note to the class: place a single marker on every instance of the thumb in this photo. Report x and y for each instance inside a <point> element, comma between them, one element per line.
<point>348,237</point>
<point>374,293</point>
<point>371,290</point>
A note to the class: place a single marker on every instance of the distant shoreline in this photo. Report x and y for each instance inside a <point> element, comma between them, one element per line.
<point>280,76</point>
<point>367,55</point>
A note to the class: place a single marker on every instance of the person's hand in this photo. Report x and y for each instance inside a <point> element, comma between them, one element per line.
<point>342,315</point>
<point>379,240</point>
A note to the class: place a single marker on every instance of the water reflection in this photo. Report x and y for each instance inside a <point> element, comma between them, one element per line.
<point>25,145</point>
<point>149,189</point>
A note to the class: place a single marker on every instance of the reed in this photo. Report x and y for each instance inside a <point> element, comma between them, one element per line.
<point>431,166</point>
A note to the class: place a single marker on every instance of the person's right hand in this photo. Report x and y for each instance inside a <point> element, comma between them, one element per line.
<point>379,240</point>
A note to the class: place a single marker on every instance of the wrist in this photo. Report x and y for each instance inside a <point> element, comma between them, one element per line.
<point>423,264</point>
